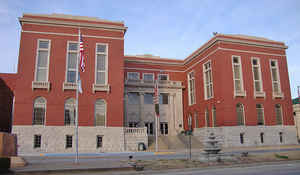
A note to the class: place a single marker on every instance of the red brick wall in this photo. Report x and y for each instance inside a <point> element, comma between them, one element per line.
<point>57,67</point>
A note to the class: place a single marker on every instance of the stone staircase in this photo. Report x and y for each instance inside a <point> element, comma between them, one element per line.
<point>177,142</point>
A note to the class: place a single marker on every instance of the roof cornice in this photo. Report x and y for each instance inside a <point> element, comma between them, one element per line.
<point>69,23</point>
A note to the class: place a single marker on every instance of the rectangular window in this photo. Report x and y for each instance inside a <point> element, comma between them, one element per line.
<point>237,76</point>
<point>72,59</point>
<point>163,77</point>
<point>214,117</point>
<point>69,141</point>
<point>99,141</point>
<point>260,114</point>
<point>101,64</point>
<point>148,77</point>
<point>133,76</point>
<point>278,113</point>
<point>148,98</point>
<point>133,98</point>
<point>149,126</point>
<point>275,77</point>
<point>42,61</point>
<point>191,88</point>
<point>163,98</point>
<point>37,141</point>
<point>132,124</point>
<point>206,117</point>
<point>257,75</point>
<point>196,120</point>
<point>208,82</point>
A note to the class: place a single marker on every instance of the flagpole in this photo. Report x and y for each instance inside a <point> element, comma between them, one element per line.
<point>76,121</point>
<point>156,117</point>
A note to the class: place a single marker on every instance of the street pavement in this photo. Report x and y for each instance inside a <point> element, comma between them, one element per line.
<point>119,161</point>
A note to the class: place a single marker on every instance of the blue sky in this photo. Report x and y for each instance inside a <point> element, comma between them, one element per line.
<point>170,29</point>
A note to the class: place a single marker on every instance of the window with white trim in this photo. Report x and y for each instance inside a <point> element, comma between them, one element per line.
<point>148,76</point>
<point>258,86</point>
<point>100,112</point>
<point>260,114</point>
<point>237,74</point>
<point>133,76</point>
<point>101,64</point>
<point>278,113</point>
<point>42,61</point>
<point>240,114</point>
<point>70,110</point>
<point>39,111</point>
<point>72,56</point>
<point>163,77</point>
<point>208,82</point>
<point>275,77</point>
<point>191,88</point>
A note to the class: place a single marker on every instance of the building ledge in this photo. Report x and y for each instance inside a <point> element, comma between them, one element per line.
<point>278,95</point>
<point>41,85</point>
<point>260,94</point>
<point>161,83</point>
<point>239,93</point>
<point>101,87</point>
<point>69,86</point>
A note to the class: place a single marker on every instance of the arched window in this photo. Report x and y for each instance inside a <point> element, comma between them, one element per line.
<point>240,114</point>
<point>214,116</point>
<point>100,112</point>
<point>70,111</point>
<point>39,111</point>
<point>206,117</point>
<point>278,113</point>
<point>260,114</point>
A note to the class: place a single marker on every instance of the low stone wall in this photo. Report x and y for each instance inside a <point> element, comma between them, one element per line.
<point>134,136</point>
<point>53,139</point>
<point>230,136</point>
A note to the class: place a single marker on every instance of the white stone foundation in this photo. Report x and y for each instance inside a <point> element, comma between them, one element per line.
<point>53,139</point>
<point>230,136</point>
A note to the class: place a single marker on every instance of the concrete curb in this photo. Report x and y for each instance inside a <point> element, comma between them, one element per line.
<point>70,170</point>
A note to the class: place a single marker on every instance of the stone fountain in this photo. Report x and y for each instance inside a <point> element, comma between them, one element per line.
<point>212,147</point>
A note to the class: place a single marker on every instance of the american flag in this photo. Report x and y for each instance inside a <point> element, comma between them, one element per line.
<point>156,98</point>
<point>82,60</point>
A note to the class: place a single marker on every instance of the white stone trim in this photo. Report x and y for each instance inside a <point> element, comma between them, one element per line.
<point>260,93</point>
<point>147,69</point>
<point>280,93</point>
<point>189,87</point>
<point>242,92</point>
<point>37,57</point>
<point>209,70</point>
<point>106,63</point>
<point>75,35</point>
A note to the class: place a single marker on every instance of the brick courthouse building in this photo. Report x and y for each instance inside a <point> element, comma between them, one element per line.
<point>234,85</point>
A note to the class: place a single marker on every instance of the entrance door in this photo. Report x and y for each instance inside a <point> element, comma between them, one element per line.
<point>164,128</point>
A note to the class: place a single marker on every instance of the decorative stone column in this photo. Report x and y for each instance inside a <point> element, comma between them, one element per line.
<point>141,111</point>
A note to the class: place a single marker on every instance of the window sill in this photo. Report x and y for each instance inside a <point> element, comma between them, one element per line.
<point>100,87</point>
<point>278,95</point>
<point>41,85</point>
<point>239,93</point>
<point>259,94</point>
<point>69,86</point>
